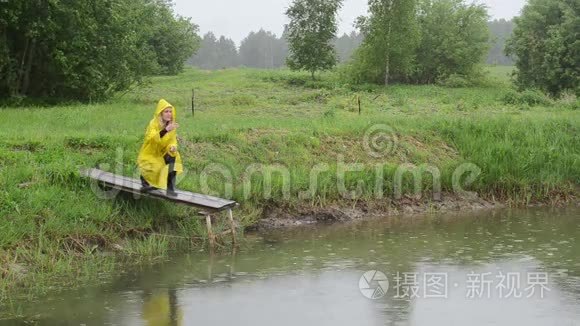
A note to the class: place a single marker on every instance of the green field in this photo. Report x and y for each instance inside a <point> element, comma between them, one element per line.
<point>54,225</point>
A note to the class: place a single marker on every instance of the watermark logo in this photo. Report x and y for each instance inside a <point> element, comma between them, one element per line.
<point>380,140</point>
<point>436,285</point>
<point>374,285</point>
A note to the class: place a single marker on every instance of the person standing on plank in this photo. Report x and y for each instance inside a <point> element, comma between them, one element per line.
<point>159,161</point>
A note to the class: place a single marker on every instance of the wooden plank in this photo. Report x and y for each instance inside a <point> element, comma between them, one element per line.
<point>183,197</point>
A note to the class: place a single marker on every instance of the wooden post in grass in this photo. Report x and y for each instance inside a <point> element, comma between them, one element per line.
<point>210,234</point>
<point>359,108</point>
<point>192,102</point>
<point>212,237</point>
<point>232,226</point>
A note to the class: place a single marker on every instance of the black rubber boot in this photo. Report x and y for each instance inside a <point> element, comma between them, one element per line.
<point>170,161</point>
<point>145,186</point>
<point>171,184</point>
<point>171,181</point>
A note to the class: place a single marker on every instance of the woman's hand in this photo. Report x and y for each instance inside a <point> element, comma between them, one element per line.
<point>173,148</point>
<point>172,126</point>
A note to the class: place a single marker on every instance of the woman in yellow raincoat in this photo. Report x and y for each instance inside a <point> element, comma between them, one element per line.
<point>159,161</point>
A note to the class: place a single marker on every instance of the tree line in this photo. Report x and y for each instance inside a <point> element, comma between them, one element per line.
<point>426,41</point>
<point>90,50</point>
<point>422,42</point>
<point>272,51</point>
<point>262,49</point>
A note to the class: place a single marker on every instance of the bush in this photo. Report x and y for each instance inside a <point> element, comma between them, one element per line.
<point>569,100</point>
<point>455,81</point>
<point>528,97</point>
<point>534,97</point>
<point>511,97</point>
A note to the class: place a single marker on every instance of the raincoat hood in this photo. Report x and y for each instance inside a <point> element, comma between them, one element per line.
<point>162,105</point>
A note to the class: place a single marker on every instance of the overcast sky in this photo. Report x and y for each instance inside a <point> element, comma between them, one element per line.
<point>236,19</point>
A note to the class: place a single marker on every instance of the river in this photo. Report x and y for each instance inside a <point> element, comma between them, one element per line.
<point>501,267</point>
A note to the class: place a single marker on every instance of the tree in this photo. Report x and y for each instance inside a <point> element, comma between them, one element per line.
<point>547,46</point>
<point>501,30</point>
<point>420,41</point>
<point>88,50</point>
<point>281,51</point>
<point>227,53</point>
<point>311,29</point>
<point>215,54</point>
<point>346,45</point>
<point>454,40</point>
<point>391,35</point>
<point>262,49</point>
<point>206,57</point>
<point>173,38</point>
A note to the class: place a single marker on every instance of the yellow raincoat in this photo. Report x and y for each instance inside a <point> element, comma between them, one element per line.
<point>150,159</point>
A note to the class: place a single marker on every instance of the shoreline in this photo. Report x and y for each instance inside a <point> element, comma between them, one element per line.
<point>280,218</point>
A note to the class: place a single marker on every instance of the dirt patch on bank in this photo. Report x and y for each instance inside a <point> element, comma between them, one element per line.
<point>345,211</point>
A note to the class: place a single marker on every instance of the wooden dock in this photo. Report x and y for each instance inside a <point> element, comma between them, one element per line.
<point>207,205</point>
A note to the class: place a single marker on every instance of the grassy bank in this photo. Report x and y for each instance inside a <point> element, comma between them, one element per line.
<point>527,148</point>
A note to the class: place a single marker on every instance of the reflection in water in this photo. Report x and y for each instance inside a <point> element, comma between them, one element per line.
<point>310,276</point>
<point>161,309</point>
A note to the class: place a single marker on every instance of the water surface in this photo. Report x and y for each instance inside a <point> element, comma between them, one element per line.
<point>491,268</point>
